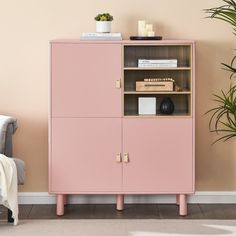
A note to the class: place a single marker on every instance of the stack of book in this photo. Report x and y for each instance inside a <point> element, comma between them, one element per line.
<point>157,63</point>
<point>101,36</point>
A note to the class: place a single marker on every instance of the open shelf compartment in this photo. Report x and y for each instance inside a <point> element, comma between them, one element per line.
<point>134,52</point>
<point>182,78</point>
<point>182,103</point>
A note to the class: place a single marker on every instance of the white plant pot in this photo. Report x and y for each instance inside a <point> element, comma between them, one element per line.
<point>103,26</point>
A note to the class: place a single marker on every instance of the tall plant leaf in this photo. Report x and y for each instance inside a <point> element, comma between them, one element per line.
<point>223,115</point>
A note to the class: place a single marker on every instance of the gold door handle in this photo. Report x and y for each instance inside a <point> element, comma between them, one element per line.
<point>126,158</point>
<point>118,157</point>
<point>118,84</point>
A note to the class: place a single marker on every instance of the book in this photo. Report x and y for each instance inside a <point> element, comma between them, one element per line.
<point>153,65</point>
<point>159,61</point>
<point>101,36</point>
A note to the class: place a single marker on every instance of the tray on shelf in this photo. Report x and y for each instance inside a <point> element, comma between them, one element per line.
<point>145,37</point>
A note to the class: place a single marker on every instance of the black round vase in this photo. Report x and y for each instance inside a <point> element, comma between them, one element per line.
<point>167,106</point>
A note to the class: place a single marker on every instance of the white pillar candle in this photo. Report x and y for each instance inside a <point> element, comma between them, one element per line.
<point>143,32</point>
<point>150,33</point>
<point>149,27</point>
<point>141,27</point>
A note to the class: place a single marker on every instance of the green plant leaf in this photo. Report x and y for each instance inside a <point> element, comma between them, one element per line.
<point>223,115</point>
<point>224,138</point>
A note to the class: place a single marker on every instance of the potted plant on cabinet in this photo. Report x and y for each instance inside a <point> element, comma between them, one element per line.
<point>223,115</point>
<point>103,22</point>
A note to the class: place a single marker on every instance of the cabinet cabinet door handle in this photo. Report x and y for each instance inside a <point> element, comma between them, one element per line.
<point>118,84</point>
<point>126,158</point>
<point>118,157</point>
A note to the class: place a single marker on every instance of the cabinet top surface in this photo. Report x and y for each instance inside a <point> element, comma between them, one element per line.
<point>129,42</point>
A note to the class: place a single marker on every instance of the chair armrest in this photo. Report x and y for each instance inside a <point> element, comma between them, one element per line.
<point>8,141</point>
<point>8,126</point>
<point>20,166</point>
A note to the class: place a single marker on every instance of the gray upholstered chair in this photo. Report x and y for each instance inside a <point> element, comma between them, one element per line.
<point>8,127</point>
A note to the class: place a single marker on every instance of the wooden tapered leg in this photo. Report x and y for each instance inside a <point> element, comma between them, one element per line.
<point>183,205</point>
<point>177,199</point>
<point>120,202</point>
<point>60,204</point>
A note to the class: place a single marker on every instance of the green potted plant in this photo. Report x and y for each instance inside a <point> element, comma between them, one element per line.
<point>223,115</point>
<point>103,22</point>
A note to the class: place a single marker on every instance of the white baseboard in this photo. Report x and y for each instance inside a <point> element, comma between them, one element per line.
<point>199,197</point>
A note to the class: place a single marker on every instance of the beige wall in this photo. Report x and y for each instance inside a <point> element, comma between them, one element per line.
<point>27,26</point>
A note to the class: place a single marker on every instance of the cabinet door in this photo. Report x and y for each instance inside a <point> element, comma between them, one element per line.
<point>83,155</point>
<point>84,80</point>
<point>160,153</point>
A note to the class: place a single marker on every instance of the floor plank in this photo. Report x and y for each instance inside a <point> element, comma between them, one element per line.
<point>131,211</point>
<point>213,211</point>
<point>229,211</point>
<point>139,211</point>
<point>169,211</point>
<point>3,212</point>
<point>24,211</point>
<point>42,212</point>
<point>106,211</point>
<point>194,211</point>
<point>78,211</point>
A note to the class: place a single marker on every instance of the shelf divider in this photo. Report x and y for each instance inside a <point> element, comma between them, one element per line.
<point>156,92</point>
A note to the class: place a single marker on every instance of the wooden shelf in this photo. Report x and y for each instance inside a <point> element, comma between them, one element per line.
<point>158,115</point>
<point>174,92</point>
<point>182,103</point>
<point>157,68</point>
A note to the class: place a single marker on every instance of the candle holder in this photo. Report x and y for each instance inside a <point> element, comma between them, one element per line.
<point>145,32</point>
<point>145,37</point>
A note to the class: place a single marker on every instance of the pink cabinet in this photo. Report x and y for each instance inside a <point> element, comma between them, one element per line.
<point>159,153</point>
<point>78,155</point>
<point>84,80</point>
<point>98,142</point>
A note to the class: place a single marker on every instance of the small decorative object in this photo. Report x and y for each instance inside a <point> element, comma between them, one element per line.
<point>145,30</point>
<point>167,106</point>
<point>155,84</point>
<point>149,27</point>
<point>147,106</point>
<point>141,27</point>
<point>151,34</point>
<point>103,23</point>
